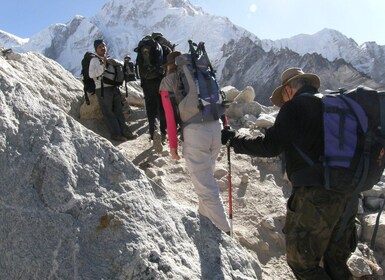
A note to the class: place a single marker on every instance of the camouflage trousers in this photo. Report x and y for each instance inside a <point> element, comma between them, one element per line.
<point>313,218</point>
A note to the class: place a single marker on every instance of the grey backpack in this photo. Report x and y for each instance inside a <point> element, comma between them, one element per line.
<point>202,101</point>
<point>113,75</point>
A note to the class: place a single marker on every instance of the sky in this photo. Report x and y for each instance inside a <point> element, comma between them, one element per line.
<point>361,20</point>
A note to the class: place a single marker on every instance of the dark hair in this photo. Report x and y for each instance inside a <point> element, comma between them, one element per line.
<point>98,42</point>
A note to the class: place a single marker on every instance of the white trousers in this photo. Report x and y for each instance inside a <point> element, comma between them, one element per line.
<point>201,146</point>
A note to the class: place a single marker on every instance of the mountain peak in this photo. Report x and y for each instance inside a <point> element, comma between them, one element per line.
<point>8,40</point>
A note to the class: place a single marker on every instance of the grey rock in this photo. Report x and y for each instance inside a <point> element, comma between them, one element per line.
<point>238,110</point>
<point>368,222</point>
<point>373,203</point>
<point>73,207</point>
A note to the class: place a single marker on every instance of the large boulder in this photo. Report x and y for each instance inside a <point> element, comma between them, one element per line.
<point>246,95</point>
<point>73,207</point>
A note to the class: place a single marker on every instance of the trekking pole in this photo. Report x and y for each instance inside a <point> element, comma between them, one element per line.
<point>230,189</point>
<point>194,55</point>
<point>207,57</point>
<point>226,124</point>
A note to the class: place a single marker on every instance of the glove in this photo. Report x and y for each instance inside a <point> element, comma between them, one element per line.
<point>227,134</point>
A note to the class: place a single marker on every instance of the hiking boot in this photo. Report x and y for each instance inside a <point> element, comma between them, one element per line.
<point>129,135</point>
<point>157,142</point>
<point>119,138</point>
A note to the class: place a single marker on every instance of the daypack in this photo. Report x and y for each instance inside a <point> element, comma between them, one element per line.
<point>162,40</point>
<point>113,74</point>
<point>354,139</point>
<point>149,60</point>
<point>354,145</point>
<point>202,100</point>
<point>167,46</point>
<point>88,83</point>
<point>129,71</point>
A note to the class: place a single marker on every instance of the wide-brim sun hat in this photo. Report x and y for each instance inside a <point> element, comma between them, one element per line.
<point>289,75</point>
<point>171,57</point>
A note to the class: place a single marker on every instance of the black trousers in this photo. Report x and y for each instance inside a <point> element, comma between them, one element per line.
<point>153,103</point>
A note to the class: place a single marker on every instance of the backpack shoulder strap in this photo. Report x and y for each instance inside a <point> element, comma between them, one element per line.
<point>174,104</point>
<point>373,240</point>
<point>382,111</point>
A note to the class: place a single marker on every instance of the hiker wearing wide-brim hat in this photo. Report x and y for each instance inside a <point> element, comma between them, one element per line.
<point>314,213</point>
<point>170,64</point>
<point>288,76</point>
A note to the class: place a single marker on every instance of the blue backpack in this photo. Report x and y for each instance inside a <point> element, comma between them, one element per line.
<point>354,144</point>
<point>354,139</point>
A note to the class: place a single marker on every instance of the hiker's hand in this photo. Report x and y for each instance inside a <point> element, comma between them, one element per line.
<point>174,153</point>
<point>227,134</point>
<point>104,60</point>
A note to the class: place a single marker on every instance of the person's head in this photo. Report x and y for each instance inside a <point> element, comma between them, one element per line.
<point>100,47</point>
<point>292,80</point>
<point>171,66</point>
<point>127,58</point>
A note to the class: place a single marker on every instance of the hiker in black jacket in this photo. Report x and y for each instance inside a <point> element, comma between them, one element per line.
<point>149,68</point>
<point>314,214</point>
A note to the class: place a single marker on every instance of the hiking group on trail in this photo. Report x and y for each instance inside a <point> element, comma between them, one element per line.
<point>332,144</point>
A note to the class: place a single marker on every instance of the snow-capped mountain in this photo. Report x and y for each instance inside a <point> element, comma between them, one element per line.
<point>8,40</point>
<point>368,58</point>
<point>122,23</point>
<point>248,64</point>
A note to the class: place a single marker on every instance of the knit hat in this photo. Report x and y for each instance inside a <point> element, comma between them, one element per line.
<point>289,75</point>
<point>97,43</point>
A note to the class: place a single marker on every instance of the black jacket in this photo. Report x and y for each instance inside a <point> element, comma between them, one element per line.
<point>298,122</point>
